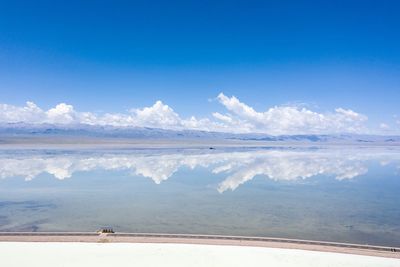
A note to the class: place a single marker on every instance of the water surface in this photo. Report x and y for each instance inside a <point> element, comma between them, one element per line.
<point>341,194</point>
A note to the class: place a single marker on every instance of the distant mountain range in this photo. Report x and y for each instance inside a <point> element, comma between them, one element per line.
<point>51,130</point>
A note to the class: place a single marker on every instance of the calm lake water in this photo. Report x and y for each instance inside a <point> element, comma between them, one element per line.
<point>340,194</point>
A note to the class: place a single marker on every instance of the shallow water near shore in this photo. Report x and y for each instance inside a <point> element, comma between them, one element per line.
<point>342,194</point>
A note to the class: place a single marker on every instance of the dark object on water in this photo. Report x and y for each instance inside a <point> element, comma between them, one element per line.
<point>211,147</point>
<point>106,230</point>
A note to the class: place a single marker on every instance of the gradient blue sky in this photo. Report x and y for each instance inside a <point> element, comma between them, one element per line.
<point>109,56</point>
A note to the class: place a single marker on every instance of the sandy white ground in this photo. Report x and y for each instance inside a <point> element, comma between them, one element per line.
<point>46,254</point>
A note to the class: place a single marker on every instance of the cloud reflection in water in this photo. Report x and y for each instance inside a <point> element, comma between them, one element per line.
<point>238,166</point>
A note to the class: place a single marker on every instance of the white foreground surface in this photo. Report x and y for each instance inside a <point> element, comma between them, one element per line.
<point>133,254</point>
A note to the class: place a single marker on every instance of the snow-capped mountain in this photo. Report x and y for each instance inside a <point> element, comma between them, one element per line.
<point>84,130</point>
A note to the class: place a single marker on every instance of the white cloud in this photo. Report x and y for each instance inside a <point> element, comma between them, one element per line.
<point>239,118</point>
<point>291,119</point>
<point>157,115</point>
<point>384,126</point>
<point>62,113</point>
<point>29,113</point>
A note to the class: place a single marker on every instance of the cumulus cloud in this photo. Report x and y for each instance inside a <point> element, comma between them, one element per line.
<point>289,119</point>
<point>238,118</point>
<point>62,113</point>
<point>158,114</point>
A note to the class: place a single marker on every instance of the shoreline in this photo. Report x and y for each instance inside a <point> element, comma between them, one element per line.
<point>85,142</point>
<point>266,242</point>
<point>45,254</point>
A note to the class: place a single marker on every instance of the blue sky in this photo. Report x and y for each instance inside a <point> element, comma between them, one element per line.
<point>111,56</point>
